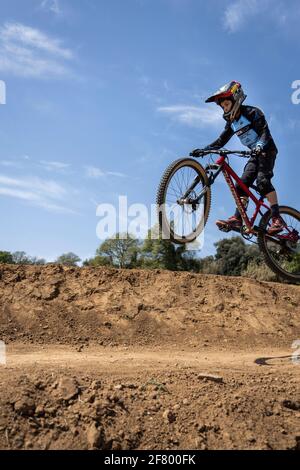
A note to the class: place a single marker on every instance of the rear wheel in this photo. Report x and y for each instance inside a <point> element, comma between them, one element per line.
<point>282,251</point>
<point>181,217</point>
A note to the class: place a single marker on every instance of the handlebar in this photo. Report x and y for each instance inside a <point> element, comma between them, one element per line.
<point>221,152</point>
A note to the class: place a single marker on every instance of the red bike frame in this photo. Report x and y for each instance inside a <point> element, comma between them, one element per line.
<point>229,176</point>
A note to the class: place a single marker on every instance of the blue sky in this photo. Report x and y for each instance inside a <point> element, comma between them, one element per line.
<point>102,95</point>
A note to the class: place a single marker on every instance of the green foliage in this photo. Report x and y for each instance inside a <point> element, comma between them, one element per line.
<point>38,261</point>
<point>233,255</point>
<point>68,259</point>
<point>259,271</point>
<point>19,257</point>
<point>294,265</point>
<point>121,251</point>
<point>159,253</point>
<point>208,265</point>
<point>6,257</point>
<point>97,261</point>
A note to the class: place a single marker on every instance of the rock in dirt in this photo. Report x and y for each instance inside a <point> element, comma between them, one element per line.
<point>213,378</point>
<point>169,416</point>
<point>67,388</point>
<point>95,385</point>
<point>25,406</point>
<point>94,437</point>
<point>291,404</point>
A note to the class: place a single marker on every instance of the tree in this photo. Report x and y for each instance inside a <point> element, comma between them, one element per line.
<point>231,256</point>
<point>6,257</point>
<point>20,257</point>
<point>208,265</point>
<point>259,271</point>
<point>121,251</point>
<point>68,259</point>
<point>37,261</point>
<point>161,253</point>
<point>97,261</point>
<point>188,261</point>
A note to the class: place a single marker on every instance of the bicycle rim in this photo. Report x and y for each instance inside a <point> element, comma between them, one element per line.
<point>282,251</point>
<point>182,221</point>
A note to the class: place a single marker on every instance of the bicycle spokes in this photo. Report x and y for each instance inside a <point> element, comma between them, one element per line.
<point>183,201</point>
<point>183,209</point>
<point>284,248</point>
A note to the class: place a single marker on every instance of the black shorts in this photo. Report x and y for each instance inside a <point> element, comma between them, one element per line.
<point>260,168</point>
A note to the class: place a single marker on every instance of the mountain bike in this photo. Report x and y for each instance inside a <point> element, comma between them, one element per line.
<point>184,202</point>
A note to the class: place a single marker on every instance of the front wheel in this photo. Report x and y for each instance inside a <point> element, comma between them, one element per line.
<point>282,251</point>
<point>182,216</point>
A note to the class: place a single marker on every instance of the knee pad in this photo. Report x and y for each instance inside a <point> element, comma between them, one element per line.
<point>264,186</point>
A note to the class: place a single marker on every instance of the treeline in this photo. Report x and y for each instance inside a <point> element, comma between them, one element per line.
<point>233,257</point>
<point>20,257</point>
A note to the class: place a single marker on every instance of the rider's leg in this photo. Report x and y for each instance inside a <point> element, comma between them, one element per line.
<point>265,174</point>
<point>277,224</point>
<point>245,202</point>
<point>273,201</point>
<point>248,177</point>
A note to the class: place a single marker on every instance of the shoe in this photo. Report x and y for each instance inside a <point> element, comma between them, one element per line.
<point>233,223</point>
<point>276,226</point>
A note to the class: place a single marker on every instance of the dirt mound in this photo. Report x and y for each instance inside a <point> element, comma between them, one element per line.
<point>101,358</point>
<point>178,409</point>
<point>55,304</point>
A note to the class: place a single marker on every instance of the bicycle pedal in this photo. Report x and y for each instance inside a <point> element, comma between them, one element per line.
<point>224,228</point>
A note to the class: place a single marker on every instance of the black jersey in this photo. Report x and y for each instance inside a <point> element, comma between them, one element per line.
<point>251,128</point>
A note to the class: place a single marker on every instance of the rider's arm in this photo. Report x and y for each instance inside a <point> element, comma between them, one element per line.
<point>260,125</point>
<point>222,140</point>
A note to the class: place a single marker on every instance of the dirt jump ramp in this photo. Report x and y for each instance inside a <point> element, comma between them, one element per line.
<point>100,358</point>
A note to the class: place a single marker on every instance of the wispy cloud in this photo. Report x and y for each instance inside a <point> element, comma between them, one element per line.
<point>192,116</point>
<point>47,194</point>
<point>116,173</point>
<point>55,166</point>
<point>11,163</point>
<point>28,52</point>
<point>40,186</point>
<point>238,12</point>
<point>293,124</point>
<point>52,6</point>
<point>94,173</point>
<point>48,165</point>
<point>18,193</point>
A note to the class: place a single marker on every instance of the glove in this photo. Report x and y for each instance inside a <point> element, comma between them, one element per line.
<point>196,153</point>
<point>257,150</point>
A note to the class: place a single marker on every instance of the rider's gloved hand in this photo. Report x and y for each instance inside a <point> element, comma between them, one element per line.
<point>258,150</point>
<point>196,153</point>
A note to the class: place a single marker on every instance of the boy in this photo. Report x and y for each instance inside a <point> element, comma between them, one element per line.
<point>249,124</point>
